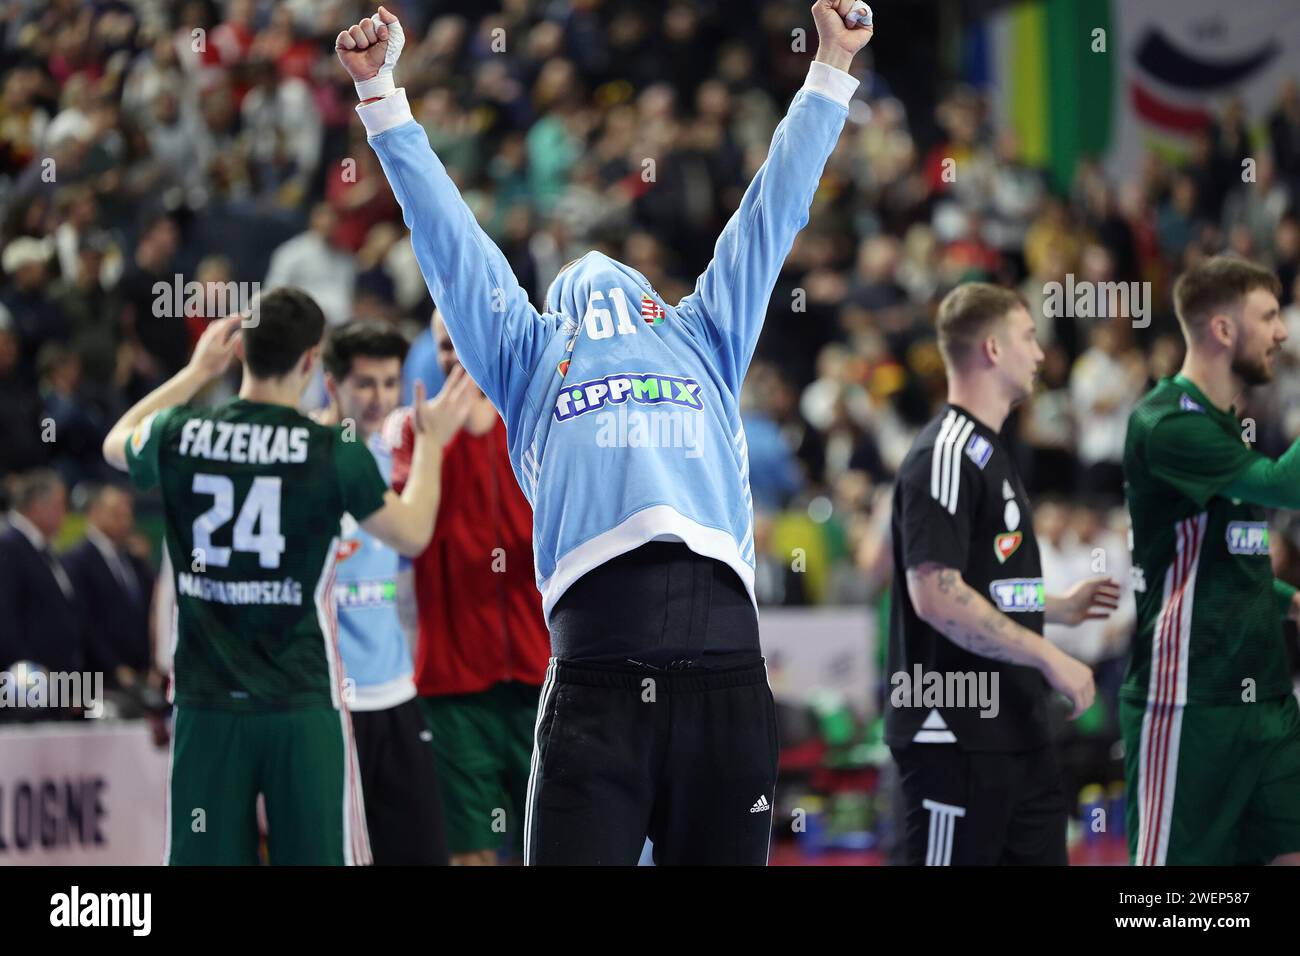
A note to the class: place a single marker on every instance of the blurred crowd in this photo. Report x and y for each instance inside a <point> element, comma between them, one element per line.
<point>213,141</point>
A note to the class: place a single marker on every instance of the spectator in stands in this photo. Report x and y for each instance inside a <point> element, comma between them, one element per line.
<point>117,585</point>
<point>36,319</point>
<point>94,315</point>
<point>20,408</point>
<point>76,211</point>
<point>159,345</point>
<point>1286,251</point>
<point>39,607</point>
<point>283,129</point>
<point>777,581</point>
<point>1179,218</point>
<point>1015,190</point>
<point>1105,383</point>
<point>1077,540</point>
<point>312,260</point>
<point>178,139</point>
<point>1284,135</point>
<point>22,119</point>
<point>359,195</point>
<point>154,69</point>
<point>1047,427</point>
<point>70,424</point>
<point>1259,206</point>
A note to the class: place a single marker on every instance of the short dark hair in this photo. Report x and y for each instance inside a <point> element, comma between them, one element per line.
<point>1216,284</point>
<point>361,340</point>
<point>967,313</point>
<point>30,486</point>
<point>288,323</point>
<point>92,494</point>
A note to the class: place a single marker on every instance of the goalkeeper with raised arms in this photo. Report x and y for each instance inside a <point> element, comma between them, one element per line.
<point>656,718</point>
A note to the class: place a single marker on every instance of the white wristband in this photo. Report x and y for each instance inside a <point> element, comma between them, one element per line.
<point>377,86</point>
<point>381,84</point>
<point>385,113</point>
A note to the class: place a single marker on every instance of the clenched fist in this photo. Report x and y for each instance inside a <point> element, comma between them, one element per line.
<point>369,52</point>
<point>837,42</point>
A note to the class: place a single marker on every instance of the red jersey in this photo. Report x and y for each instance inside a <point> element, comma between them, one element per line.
<point>476,594</point>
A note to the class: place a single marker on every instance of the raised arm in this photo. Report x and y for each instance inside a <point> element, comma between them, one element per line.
<point>212,356</point>
<point>406,520</point>
<point>498,334</point>
<point>731,297</point>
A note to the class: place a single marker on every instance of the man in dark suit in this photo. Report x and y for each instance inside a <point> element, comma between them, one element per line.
<point>115,587</point>
<point>40,616</point>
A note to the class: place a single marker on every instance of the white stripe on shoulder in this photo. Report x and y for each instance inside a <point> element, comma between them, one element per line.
<point>957,446</point>
<point>935,468</point>
<point>945,464</point>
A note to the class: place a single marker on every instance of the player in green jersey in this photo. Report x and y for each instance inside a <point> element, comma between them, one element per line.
<point>252,494</point>
<point>1209,718</point>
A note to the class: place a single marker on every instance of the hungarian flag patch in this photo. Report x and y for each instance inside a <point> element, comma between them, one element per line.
<point>652,313</point>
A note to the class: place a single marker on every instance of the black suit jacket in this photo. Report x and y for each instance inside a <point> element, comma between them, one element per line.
<point>120,634</point>
<point>37,621</point>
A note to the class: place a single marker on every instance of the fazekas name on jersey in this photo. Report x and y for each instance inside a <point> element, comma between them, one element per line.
<point>243,442</point>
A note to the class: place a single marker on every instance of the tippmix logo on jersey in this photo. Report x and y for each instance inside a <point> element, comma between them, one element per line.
<point>1247,537</point>
<point>644,388</point>
<point>356,594</point>
<point>1019,595</point>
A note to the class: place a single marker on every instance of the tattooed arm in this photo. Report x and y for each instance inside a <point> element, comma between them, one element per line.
<point>960,613</point>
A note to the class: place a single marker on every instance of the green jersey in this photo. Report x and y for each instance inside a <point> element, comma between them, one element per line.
<point>1208,625</point>
<point>252,496</point>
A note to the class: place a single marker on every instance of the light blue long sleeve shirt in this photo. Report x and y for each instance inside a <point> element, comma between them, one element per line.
<point>376,655</point>
<point>622,411</point>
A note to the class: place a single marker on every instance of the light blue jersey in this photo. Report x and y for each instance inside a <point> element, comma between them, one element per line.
<point>375,652</point>
<point>621,410</point>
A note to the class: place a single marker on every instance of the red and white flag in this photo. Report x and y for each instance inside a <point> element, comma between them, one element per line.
<point>652,313</point>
